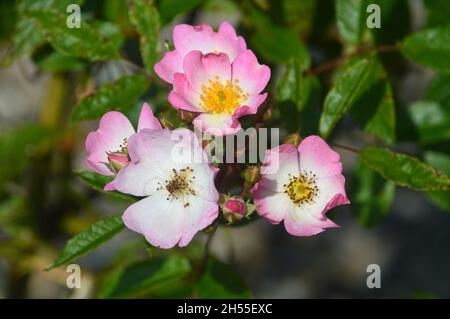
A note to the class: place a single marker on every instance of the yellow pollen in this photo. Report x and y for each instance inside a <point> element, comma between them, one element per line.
<point>219,98</point>
<point>301,189</point>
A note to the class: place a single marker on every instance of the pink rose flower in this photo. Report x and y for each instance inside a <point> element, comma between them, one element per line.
<point>187,38</point>
<point>219,90</point>
<point>180,196</point>
<point>107,147</point>
<point>299,185</point>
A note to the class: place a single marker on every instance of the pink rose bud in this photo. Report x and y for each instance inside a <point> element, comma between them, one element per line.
<point>234,209</point>
<point>117,160</point>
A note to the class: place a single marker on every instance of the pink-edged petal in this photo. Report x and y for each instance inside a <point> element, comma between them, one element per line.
<point>271,205</point>
<point>150,164</point>
<point>158,219</point>
<point>202,68</point>
<point>109,187</point>
<point>251,76</point>
<point>242,45</point>
<point>331,193</point>
<point>183,96</point>
<point>98,162</point>
<point>217,124</point>
<point>114,129</point>
<point>309,218</point>
<point>187,38</point>
<point>279,164</point>
<point>204,181</point>
<point>199,214</point>
<point>171,63</point>
<point>228,42</point>
<point>306,225</point>
<point>316,156</point>
<point>251,105</point>
<point>188,151</point>
<point>147,119</point>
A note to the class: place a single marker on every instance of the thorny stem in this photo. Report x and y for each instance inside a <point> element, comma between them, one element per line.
<point>336,62</point>
<point>347,148</point>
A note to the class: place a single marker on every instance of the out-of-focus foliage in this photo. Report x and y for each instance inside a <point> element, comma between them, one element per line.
<point>340,99</point>
<point>89,239</point>
<point>119,95</point>
<point>331,75</point>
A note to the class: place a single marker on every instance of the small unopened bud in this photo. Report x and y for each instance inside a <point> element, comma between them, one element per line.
<point>234,209</point>
<point>117,161</point>
<point>293,139</point>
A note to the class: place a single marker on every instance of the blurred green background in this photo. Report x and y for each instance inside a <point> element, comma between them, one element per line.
<point>48,87</point>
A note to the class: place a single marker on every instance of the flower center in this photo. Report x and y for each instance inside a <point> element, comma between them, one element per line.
<point>301,189</point>
<point>179,185</point>
<point>219,98</point>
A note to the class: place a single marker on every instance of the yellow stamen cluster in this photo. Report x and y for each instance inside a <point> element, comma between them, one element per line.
<point>301,189</point>
<point>219,98</point>
<point>179,185</point>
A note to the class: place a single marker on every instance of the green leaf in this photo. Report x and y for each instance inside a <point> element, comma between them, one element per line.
<point>169,9</point>
<point>430,48</point>
<point>279,45</point>
<point>438,12</point>
<point>98,182</point>
<point>296,99</point>
<point>27,35</point>
<point>144,277</point>
<point>60,5</point>
<point>311,103</point>
<point>382,123</point>
<point>221,281</point>
<point>372,196</point>
<point>57,62</point>
<point>431,120</point>
<point>145,17</point>
<point>404,170</point>
<point>438,90</point>
<point>8,20</point>
<point>441,162</point>
<point>350,19</point>
<point>99,42</point>
<point>25,39</point>
<point>288,95</point>
<point>374,107</point>
<point>88,240</point>
<point>118,95</point>
<point>348,85</point>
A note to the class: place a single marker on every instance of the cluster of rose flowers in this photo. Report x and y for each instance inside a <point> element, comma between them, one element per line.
<point>215,76</point>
